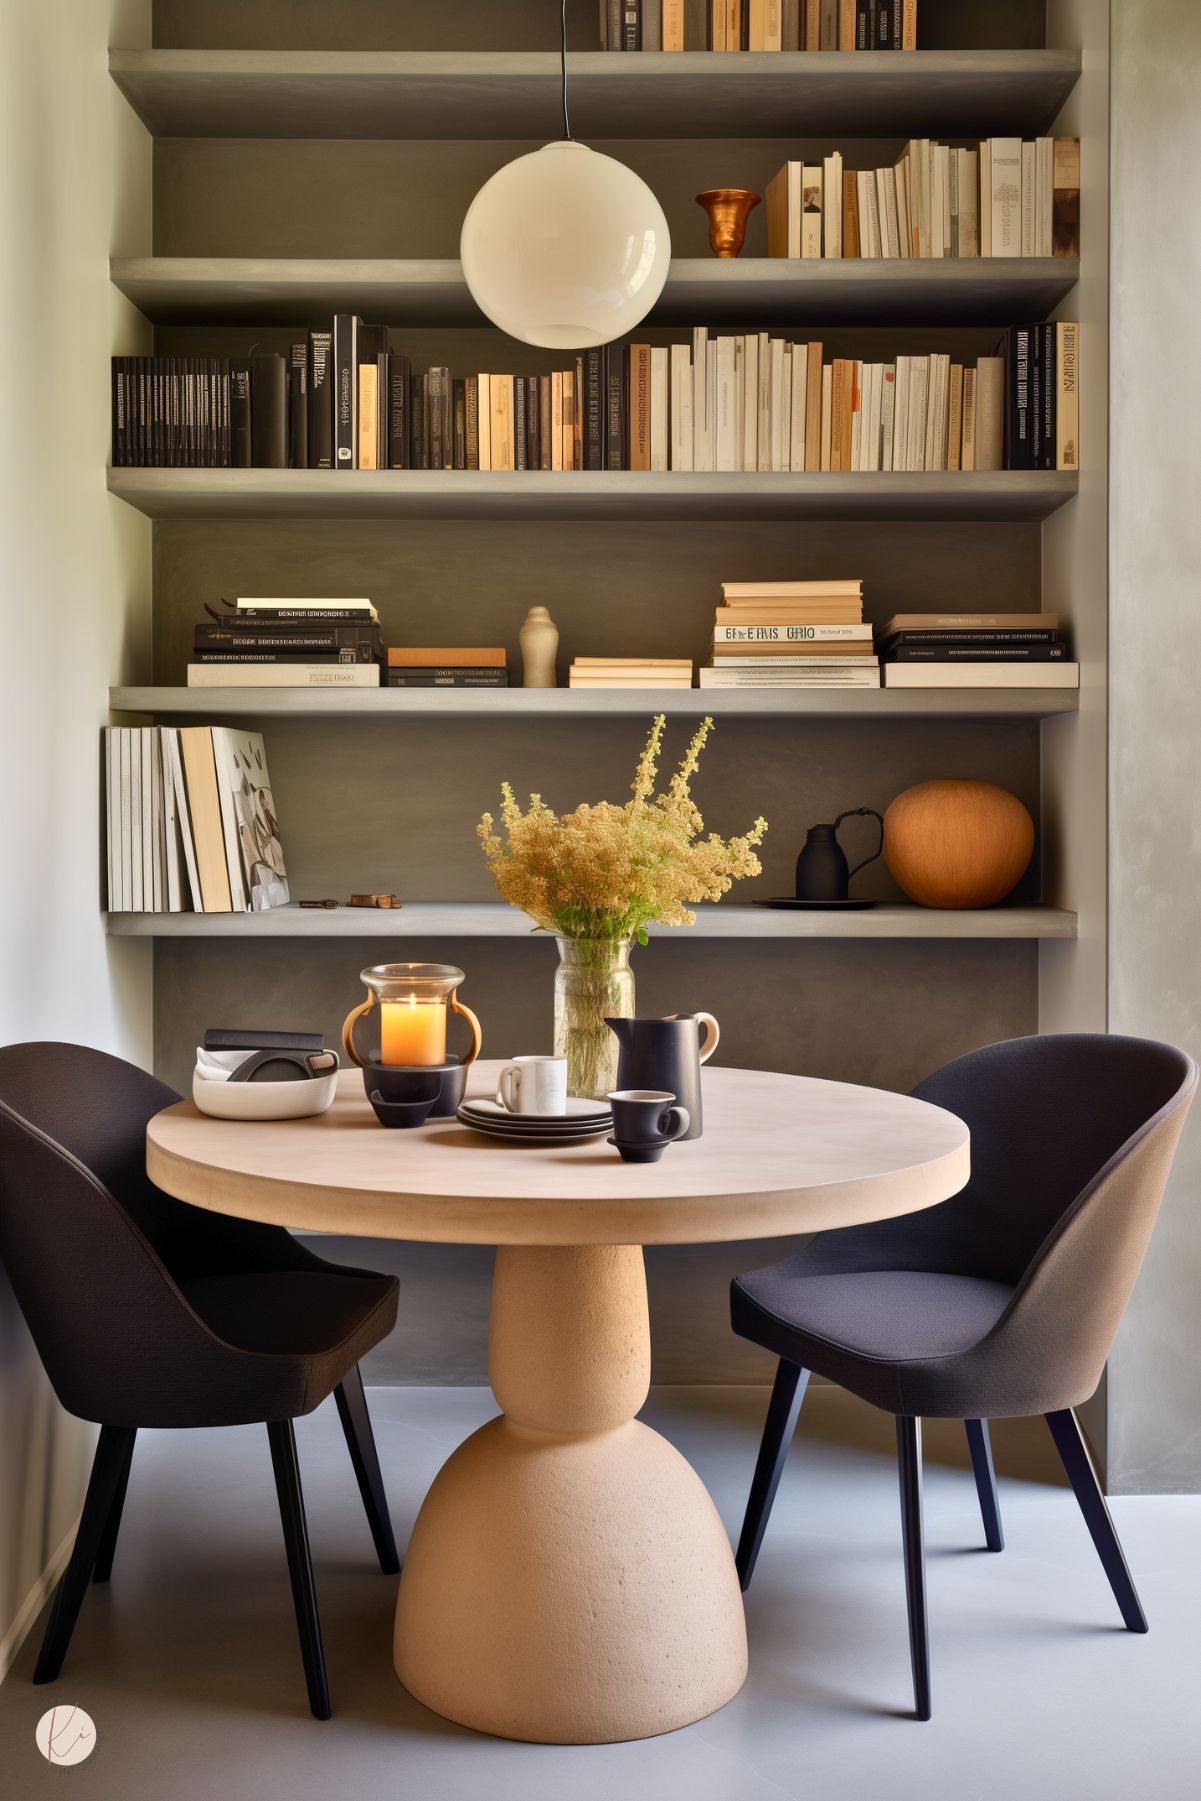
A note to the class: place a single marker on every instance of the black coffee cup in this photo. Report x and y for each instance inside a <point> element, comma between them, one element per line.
<point>645,1122</point>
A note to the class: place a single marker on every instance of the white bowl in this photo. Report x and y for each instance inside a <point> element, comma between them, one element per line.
<point>264,1100</point>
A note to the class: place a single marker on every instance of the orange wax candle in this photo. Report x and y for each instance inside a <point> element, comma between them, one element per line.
<point>413,1031</point>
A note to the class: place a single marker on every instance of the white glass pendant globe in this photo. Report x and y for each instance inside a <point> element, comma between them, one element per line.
<point>565,247</point>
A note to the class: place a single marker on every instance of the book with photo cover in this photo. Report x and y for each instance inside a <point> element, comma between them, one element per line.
<point>253,849</point>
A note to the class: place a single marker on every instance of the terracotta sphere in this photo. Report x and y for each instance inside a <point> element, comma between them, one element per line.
<point>957,843</point>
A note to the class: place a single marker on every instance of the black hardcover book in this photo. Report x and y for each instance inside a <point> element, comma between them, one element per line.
<point>298,406</point>
<point>240,456</point>
<point>533,424</point>
<point>289,635</point>
<point>1018,446</point>
<point>346,391</point>
<point>269,412</point>
<point>1049,390</point>
<point>456,678</point>
<point>434,382</point>
<point>978,653</point>
<point>238,1038</point>
<point>460,424</point>
<point>1036,396</point>
<point>117,373</point>
<point>519,461</point>
<point>631,24</point>
<point>616,414</point>
<point>864,11</point>
<point>417,441</point>
<point>594,409</point>
<point>320,400</point>
<point>1002,636</point>
<point>273,616</point>
<point>398,410</point>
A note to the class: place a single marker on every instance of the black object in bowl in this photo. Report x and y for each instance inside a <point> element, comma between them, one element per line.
<point>400,1113</point>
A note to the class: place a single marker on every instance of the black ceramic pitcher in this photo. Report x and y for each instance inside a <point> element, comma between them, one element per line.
<point>667,1054</point>
<point>822,875</point>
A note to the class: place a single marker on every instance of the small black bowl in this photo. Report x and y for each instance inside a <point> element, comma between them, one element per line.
<point>408,1082</point>
<point>400,1113</point>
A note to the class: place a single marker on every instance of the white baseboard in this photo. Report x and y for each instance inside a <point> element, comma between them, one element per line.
<point>33,1603</point>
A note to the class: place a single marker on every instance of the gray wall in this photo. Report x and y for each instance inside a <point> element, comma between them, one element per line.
<point>1155,626</point>
<point>74,606</point>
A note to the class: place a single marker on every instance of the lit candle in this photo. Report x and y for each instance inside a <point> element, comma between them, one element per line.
<point>413,1031</point>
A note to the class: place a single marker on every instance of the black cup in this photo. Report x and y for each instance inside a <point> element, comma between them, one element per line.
<point>645,1122</point>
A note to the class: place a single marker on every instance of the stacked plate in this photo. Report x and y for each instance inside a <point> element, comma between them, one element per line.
<point>583,1119</point>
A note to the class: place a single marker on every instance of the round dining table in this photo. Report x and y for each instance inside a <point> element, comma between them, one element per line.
<point>568,1579</point>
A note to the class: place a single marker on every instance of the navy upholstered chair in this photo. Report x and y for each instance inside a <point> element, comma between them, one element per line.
<point>147,1312</point>
<point>1001,1301</point>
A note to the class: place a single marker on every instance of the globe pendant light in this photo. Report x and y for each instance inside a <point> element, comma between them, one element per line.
<point>565,247</point>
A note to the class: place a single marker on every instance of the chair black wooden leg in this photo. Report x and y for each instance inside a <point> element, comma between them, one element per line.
<point>110,1466</point>
<point>909,1468</point>
<point>1073,1453</point>
<point>112,1526</point>
<point>980,1446</point>
<point>786,1396</point>
<point>300,1567</point>
<point>360,1442</point>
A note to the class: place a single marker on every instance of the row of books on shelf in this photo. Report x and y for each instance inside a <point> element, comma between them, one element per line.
<point>741,402</point>
<point>1000,197</point>
<point>758,24</point>
<point>191,821</point>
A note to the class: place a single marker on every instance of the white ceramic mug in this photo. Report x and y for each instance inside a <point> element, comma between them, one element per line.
<point>533,1085</point>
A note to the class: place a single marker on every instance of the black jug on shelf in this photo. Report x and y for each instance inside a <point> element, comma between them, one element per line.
<point>822,875</point>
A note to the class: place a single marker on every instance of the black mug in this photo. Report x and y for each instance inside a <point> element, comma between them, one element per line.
<point>645,1122</point>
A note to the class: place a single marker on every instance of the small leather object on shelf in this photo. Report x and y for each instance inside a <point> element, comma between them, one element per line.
<point>325,903</point>
<point>374,900</point>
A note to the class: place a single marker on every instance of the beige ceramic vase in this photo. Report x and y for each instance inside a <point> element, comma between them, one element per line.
<point>539,637</point>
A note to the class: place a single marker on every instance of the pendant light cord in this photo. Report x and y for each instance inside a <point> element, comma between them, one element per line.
<point>563,66</point>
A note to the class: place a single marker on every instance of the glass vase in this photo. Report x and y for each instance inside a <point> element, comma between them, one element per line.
<point>593,982</point>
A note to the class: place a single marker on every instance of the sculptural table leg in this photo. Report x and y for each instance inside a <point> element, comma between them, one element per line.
<point>568,1579</point>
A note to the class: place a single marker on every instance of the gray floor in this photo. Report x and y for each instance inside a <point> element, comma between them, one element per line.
<point>189,1666</point>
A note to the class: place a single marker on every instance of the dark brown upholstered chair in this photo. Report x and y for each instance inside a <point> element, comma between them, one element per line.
<point>1003,1300</point>
<point>148,1312</point>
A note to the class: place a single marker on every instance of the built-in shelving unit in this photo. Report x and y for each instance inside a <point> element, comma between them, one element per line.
<point>743,290</point>
<point>1003,494</point>
<point>489,920</point>
<point>583,703</point>
<point>515,94</point>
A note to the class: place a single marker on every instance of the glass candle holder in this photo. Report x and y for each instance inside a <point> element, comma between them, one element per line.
<point>413,1001</point>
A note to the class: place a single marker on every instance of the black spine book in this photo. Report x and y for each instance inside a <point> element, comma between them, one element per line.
<point>321,407</point>
<point>1004,636</point>
<point>302,616</point>
<point>239,417</point>
<point>864,9</point>
<point>269,412</point>
<point>398,410</point>
<point>118,403</point>
<point>978,653</point>
<point>460,424</point>
<point>289,636</point>
<point>616,414</point>
<point>298,407</point>
<point>346,391</point>
<point>445,678</point>
<point>1050,387</point>
<point>1036,396</point>
<point>1017,399</point>
<point>533,424</point>
<point>519,445</point>
<point>417,387</point>
<point>434,407</point>
<point>631,25</point>
<point>594,409</point>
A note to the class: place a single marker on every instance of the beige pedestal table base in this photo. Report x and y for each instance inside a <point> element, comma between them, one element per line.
<point>568,1578</point>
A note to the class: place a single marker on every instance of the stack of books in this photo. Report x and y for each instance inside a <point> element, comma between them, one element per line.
<point>758,24</point>
<point>976,650</point>
<point>791,635</point>
<point>446,666</point>
<point>1001,197</point>
<point>630,672</point>
<point>191,821</point>
<point>287,643</point>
